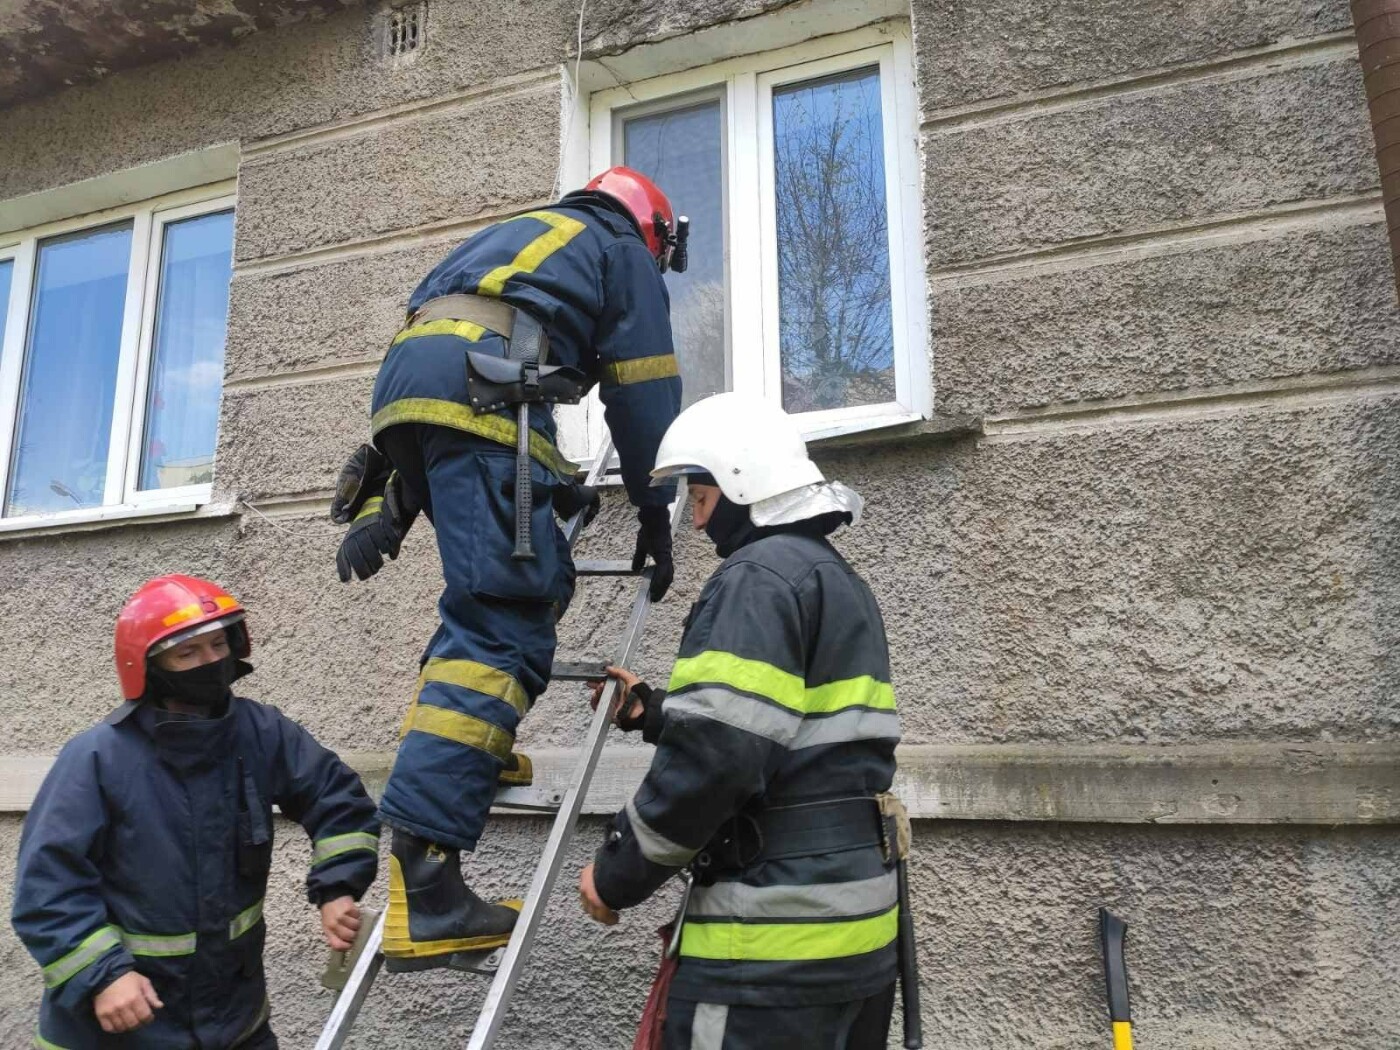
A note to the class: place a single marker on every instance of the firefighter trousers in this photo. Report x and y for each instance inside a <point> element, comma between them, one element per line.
<point>862,1024</point>
<point>492,652</point>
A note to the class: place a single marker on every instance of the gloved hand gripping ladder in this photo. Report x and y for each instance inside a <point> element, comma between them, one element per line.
<point>508,963</point>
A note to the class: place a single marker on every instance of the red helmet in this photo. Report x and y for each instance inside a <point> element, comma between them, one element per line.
<point>165,611</point>
<point>649,206</point>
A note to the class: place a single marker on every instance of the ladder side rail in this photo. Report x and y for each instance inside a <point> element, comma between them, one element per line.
<point>493,1011</point>
<point>573,528</point>
<point>352,997</point>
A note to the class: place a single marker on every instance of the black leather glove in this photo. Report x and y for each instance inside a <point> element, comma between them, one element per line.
<point>571,498</point>
<point>648,718</point>
<point>654,538</point>
<point>378,530</point>
<point>364,476</point>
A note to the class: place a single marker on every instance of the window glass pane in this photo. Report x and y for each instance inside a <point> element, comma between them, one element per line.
<point>70,372</point>
<point>834,314</point>
<point>680,150</point>
<point>7,268</point>
<point>187,370</point>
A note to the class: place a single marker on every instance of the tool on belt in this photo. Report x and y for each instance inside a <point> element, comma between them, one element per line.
<point>341,963</point>
<point>1113,931</point>
<point>896,836</point>
<point>520,379</point>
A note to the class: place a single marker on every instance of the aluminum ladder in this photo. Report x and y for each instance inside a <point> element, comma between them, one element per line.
<point>508,962</point>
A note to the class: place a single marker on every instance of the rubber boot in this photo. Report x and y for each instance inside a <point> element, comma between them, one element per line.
<point>432,913</point>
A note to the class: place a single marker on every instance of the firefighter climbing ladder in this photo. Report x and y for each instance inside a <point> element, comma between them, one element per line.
<point>508,962</point>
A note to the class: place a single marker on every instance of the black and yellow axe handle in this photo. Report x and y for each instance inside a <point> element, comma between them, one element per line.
<point>1112,932</point>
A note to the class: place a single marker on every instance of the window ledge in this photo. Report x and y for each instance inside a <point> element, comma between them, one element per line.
<point>907,428</point>
<point>91,519</point>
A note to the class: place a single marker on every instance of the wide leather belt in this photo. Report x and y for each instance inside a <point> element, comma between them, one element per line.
<point>491,314</point>
<point>801,830</point>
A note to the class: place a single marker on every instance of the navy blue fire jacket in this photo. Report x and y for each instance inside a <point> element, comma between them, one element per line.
<point>583,271</point>
<point>148,849</point>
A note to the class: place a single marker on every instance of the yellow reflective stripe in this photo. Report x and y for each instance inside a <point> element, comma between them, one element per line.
<point>461,417</point>
<point>93,947</point>
<point>370,508</point>
<point>323,850</point>
<point>849,692</point>
<point>44,1044</point>
<point>159,945</point>
<point>755,676</point>
<point>640,370</point>
<point>562,230</point>
<point>483,679</point>
<point>469,330</point>
<point>789,941</point>
<point>187,612</point>
<point>245,921</point>
<point>460,729</point>
<point>1122,1035</point>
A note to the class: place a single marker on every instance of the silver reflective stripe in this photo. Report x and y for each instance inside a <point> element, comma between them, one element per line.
<point>656,847</point>
<point>323,850</point>
<point>93,947</point>
<point>707,1030</point>
<point>159,945</point>
<point>832,900</point>
<point>783,726</point>
<point>245,921</point>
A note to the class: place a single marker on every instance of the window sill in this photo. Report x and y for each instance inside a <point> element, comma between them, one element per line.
<point>888,431</point>
<point>871,430</point>
<point>93,518</point>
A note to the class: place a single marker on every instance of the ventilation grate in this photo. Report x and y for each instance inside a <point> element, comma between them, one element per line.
<point>406,30</point>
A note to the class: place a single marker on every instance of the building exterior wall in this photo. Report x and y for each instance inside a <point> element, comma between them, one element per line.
<point>1158,277</point>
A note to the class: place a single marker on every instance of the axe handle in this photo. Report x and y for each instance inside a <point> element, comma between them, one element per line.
<point>908,965</point>
<point>524,492</point>
<point>1113,931</point>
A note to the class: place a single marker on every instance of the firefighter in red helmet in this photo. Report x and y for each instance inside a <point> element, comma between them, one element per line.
<point>525,314</point>
<point>145,858</point>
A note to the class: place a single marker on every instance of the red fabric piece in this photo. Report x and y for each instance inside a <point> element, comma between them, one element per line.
<point>654,1014</point>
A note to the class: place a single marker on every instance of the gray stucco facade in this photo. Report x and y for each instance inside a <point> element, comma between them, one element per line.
<point>1157,506</point>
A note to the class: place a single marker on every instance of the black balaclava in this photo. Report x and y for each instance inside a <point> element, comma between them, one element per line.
<point>206,687</point>
<point>731,527</point>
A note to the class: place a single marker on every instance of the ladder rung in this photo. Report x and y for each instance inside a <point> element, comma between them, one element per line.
<point>530,799</point>
<point>597,567</point>
<point>578,671</point>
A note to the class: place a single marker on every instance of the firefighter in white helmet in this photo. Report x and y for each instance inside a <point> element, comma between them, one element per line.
<point>775,754</point>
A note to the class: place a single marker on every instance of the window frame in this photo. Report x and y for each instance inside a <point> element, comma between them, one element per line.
<point>149,218</point>
<point>745,85</point>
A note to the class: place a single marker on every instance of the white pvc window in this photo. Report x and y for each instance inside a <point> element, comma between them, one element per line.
<point>799,171</point>
<point>111,360</point>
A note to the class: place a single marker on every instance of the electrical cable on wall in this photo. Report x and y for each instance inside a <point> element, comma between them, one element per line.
<point>573,104</point>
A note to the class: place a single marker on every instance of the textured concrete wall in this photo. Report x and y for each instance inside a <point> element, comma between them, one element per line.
<point>1260,938</point>
<point>1157,271</point>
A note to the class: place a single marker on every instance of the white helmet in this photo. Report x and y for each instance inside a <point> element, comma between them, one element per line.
<point>750,446</point>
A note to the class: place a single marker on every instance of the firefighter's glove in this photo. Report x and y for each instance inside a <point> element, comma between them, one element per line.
<point>361,479</point>
<point>654,538</point>
<point>378,530</point>
<point>571,498</point>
